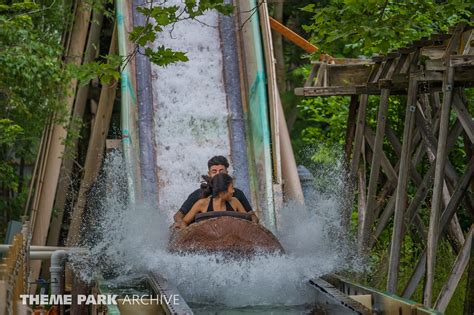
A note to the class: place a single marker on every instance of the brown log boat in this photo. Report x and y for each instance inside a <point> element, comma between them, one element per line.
<point>226,232</point>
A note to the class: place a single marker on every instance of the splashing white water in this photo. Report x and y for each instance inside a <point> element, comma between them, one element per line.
<point>191,125</point>
<point>190,108</point>
<point>132,239</point>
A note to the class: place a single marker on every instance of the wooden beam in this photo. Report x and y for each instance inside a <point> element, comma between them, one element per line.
<point>464,117</point>
<point>384,161</point>
<point>41,221</point>
<point>292,36</point>
<point>359,134</point>
<point>448,213</point>
<point>64,184</point>
<point>456,273</point>
<point>461,61</point>
<point>469,297</point>
<point>327,91</point>
<point>361,172</point>
<point>351,126</point>
<point>441,157</point>
<point>401,195</point>
<point>95,152</point>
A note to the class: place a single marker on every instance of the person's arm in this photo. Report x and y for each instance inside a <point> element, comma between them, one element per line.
<point>178,216</point>
<point>236,204</point>
<point>253,216</point>
<point>188,218</point>
<point>186,207</point>
<point>239,194</point>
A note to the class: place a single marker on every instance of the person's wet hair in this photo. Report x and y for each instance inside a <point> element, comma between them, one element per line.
<point>218,160</point>
<point>215,185</point>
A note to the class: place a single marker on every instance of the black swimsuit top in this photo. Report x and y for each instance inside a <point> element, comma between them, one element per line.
<point>210,207</point>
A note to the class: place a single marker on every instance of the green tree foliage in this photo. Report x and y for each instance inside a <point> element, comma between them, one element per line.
<point>34,76</point>
<point>157,18</point>
<point>32,81</point>
<point>351,28</point>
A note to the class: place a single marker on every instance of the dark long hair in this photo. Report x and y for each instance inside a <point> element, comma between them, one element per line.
<point>215,185</point>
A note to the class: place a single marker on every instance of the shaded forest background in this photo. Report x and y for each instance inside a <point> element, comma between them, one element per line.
<point>34,76</point>
<point>361,29</point>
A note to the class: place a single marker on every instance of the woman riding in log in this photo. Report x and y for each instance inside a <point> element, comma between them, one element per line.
<point>217,196</point>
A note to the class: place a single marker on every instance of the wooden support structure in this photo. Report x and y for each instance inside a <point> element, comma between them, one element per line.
<point>14,269</point>
<point>399,185</point>
<point>292,36</point>
<point>64,183</point>
<point>95,151</point>
<point>42,207</point>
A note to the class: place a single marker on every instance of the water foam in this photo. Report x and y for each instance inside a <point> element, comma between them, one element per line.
<point>131,239</point>
<point>191,125</point>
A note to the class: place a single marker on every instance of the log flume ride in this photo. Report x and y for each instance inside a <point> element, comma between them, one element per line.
<point>225,232</point>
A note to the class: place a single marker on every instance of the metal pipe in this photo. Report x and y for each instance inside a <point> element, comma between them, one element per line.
<point>40,255</point>
<point>58,260</point>
<point>5,247</point>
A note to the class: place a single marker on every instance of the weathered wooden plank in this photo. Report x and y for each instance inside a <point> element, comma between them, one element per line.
<point>384,218</point>
<point>41,221</point>
<point>455,235</point>
<point>362,198</point>
<point>384,161</point>
<point>420,194</point>
<point>469,43</point>
<point>441,157</point>
<point>321,76</point>
<point>359,134</point>
<point>457,196</point>
<point>448,213</point>
<point>435,65</point>
<point>469,297</point>
<point>95,152</point>
<point>387,188</point>
<point>351,126</point>
<point>433,52</point>
<point>90,54</point>
<point>292,36</point>
<point>378,155</point>
<point>457,271</point>
<point>461,61</point>
<point>464,117</point>
<point>401,195</point>
<point>326,91</point>
<point>312,74</point>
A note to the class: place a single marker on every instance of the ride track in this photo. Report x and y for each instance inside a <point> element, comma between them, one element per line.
<point>258,144</point>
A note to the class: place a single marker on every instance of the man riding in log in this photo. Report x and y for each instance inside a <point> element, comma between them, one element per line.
<point>224,195</point>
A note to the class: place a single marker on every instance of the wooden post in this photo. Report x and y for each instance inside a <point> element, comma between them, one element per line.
<point>54,155</point>
<point>469,299</point>
<point>359,134</point>
<point>441,156</point>
<point>64,185</point>
<point>458,269</point>
<point>351,126</point>
<point>401,194</point>
<point>448,213</point>
<point>95,152</point>
<point>292,36</point>
<point>362,184</point>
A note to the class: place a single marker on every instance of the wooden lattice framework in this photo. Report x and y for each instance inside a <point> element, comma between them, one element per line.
<point>433,73</point>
